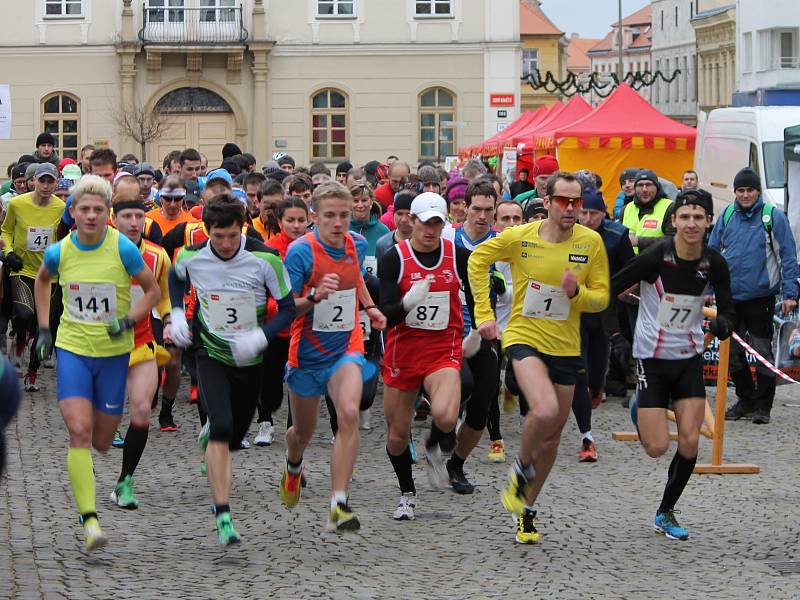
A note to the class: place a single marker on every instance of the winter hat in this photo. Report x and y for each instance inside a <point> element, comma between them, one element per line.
<point>231,167</point>
<point>533,209</point>
<point>747,177</point>
<point>72,172</point>
<point>19,171</point>
<point>697,197</point>
<point>271,168</point>
<point>64,184</point>
<point>456,188</point>
<point>45,138</point>
<point>593,200</point>
<point>626,174</point>
<point>647,175</point>
<point>230,149</point>
<point>403,200</point>
<point>545,165</point>
<point>286,160</point>
<point>63,163</point>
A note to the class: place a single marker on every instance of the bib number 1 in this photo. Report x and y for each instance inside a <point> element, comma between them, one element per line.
<point>545,302</point>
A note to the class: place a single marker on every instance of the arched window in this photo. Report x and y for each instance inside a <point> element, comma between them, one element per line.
<point>329,125</point>
<point>437,115</point>
<point>61,117</point>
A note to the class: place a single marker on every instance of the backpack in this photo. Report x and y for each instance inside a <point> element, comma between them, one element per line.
<point>766,220</point>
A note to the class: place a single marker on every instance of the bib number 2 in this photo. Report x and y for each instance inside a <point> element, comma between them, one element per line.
<point>337,312</point>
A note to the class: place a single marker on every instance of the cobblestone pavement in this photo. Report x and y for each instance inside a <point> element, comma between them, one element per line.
<point>597,540</point>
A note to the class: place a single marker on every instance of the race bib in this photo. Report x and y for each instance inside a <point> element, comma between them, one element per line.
<point>231,312</point>
<point>545,302</point>
<point>371,265</point>
<point>39,238</point>
<point>366,325</point>
<point>679,312</point>
<point>433,313</point>
<point>92,302</point>
<point>337,312</point>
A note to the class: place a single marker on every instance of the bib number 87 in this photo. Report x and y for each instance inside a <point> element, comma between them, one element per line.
<point>425,312</point>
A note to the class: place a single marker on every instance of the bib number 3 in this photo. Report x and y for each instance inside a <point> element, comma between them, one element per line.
<point>231,312</point>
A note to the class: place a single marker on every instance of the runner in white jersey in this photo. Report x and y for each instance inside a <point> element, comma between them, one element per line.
<point>674,276</point>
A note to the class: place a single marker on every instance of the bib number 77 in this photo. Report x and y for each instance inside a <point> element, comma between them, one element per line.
<point>679,312</point>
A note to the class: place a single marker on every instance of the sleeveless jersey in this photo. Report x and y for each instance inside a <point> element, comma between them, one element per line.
<point>427,328</point>
<point>156,259</point>
<point>331,328</point>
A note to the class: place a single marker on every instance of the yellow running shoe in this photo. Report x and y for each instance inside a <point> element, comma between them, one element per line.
<point>513,496</point>
<point>341,518</point>
<point>94,536</point>
<point>526,528</point>
<point>497,451</point>
<point>290,487</point>
<point>509,402</point>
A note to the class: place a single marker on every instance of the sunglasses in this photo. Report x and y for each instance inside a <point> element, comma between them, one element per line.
<point>564,201</point>
<point>172,198</point>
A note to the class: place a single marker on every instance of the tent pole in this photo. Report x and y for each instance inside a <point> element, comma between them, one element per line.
<point>620,74</point>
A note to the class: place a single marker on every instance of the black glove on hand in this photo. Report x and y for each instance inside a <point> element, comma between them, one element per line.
<point>497,282</point>
<point>13,261</point>
<point>119,326</point>
<point>44,345</point>
<point>720,328</point>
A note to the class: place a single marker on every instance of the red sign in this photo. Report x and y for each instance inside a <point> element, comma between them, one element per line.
<point>501,99</point>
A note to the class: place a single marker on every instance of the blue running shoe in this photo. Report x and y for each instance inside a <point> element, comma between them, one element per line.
<point>667,524</point>
<point>118,441</point>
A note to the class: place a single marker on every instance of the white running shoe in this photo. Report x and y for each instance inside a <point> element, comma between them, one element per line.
<point>405,508</point>
<point>266,434</point>
<point>364,421</point>
<point>244,444</point>
<point>437,471</point>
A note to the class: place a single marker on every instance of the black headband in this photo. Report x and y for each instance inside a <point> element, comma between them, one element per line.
<point>135,204</point>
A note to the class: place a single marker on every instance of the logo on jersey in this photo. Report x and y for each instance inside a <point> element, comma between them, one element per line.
<point>416,276</point>
<point>579,258</point>
<point>447,275</point>
<point>214,297</point>
<point>650,224</point>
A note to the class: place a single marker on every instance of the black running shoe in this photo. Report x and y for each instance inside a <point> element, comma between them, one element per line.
<point>459,481</point>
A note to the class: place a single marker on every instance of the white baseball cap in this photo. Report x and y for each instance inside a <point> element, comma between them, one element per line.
<point>429,205</point>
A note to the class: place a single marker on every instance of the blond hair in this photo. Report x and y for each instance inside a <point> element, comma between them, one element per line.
<point>329,189</point>
<point>92,185</point>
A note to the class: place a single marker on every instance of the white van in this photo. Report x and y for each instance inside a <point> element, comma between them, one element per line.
<point>729,139</point>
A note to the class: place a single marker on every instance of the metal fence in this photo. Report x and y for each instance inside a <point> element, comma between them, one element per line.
<point>192,26</point>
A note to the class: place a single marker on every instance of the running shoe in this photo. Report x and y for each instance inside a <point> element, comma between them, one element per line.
<point>459,481</point>
<point>667,524</point>
<point>364,420</point>
<point>509,402</point>
<point>497,451</point>
<point>437,471</point>
<point>341,518</point>
<point>226,533</point>
<point>244,444</point>
<point>118,441</point>
<point>265,435</point>
<point>513,496</point>
<point>49,363</point>
<point>290,487</point>
<point>30,382</point>
<point>93,535</point>
<point>406,507</point>
<point>193,395</point>
<point>526,527</point>
<point>166,421</point>
<point>760,417</point>
<point>740,410</point>
<point>202,437</point>
<point>123,495</point>
<point>588,451</point>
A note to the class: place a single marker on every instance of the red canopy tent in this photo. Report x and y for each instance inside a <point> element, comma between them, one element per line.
<point>626,131</point>
<point>493,145</point>
<point>525,133</point>
<point>466,152</point>
<point>543,138</point>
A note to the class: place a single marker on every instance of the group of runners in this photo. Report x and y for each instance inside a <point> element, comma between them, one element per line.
<point>269,287</point>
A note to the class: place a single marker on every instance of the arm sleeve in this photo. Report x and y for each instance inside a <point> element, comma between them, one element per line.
<point>462,266</point>
<point>645,267</point>
<point>593,296</point>
<point>177,287</point>
<point>130,256</point>
<point>788,255</point>
<point>52,258</point>
<point>480,260</point>
<point>391,298</point>
<point>9,223</point>
<point>299,264</point>
<point>164,305</point>
<point>721,283</point>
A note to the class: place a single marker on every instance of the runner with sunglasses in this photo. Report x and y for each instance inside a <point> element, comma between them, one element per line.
<point>559,270</point>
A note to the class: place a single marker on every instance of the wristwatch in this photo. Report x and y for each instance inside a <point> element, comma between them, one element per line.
<point>310,296</point>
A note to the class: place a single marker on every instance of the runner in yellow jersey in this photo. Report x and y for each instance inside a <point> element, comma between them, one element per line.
<point>559,270</point>
<point>94,264</point>
<point>28,229</point>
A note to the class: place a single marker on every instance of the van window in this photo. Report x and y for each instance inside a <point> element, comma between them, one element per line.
<point>773,164</point>
<point>754,158</point>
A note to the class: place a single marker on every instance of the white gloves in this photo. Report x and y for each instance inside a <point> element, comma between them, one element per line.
<point>181,334</point>
<point>248,345</point>
<point>416,295</point>
<point>471,344</point>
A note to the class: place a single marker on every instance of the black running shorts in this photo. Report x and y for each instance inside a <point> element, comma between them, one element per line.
<point>562,370</point>
<point>661,381</point>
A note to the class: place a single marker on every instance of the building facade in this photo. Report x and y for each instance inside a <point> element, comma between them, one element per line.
<point>768,48</point>
<point>318,79</point>
<point>636,44</point>
<point>674,49</point>
<point>715,32</point>
<point>544,49</point>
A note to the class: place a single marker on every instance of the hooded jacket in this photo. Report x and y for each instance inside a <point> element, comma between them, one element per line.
<point>372,229</point>
<point>53,160</point>
<point>758,268</point>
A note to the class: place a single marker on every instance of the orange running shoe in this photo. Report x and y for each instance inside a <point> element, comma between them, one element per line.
<point>588,452</point>
<point>193,395</point>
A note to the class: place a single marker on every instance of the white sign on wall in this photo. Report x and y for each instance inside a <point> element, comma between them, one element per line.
<point>5,111</point>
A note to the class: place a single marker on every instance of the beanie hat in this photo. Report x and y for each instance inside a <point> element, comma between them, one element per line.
<point>63,163</point>
<point>626,174</point>
<point>64,184</point>
<point>747,177</point>
<point>428,174</point>
<point>593,200</point>
<point>278,175</point>
<point>230,149</point>
<point>286,160</point>
<point>647,175</point>
<point>231,167</point>
<point>403,200</point>
<point>27,158</point>
<point>271,168</point>
<point>545,165</point>
<point>697,197</point>
<point>19,171</point>
<point>456,188</point>
<point>533,209</point>
<point>344,167</point>
<point>45,138</point>
<point>72,172</point>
